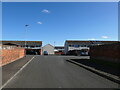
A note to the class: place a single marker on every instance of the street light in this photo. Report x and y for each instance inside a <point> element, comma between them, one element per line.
<point>26,36</point>
<point>54,43</point>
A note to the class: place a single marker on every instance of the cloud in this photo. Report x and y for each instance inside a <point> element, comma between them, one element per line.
<point>39,22</point>
<point>45,11</point>
<point>104,37</point>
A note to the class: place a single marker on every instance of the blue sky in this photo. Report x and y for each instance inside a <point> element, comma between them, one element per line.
<point>56,22</point>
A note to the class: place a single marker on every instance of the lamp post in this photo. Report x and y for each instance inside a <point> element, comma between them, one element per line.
<point>26,37</point>
<point>54,47</point>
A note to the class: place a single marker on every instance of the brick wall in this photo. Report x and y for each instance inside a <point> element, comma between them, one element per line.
<point>59,53</point>
<point>109,52</point>
<point>11,54</point>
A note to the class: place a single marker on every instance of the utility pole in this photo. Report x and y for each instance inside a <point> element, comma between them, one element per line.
<point>26,27</point>
<point>54,43</point>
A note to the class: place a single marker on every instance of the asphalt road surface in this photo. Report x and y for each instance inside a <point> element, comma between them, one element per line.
<point>56,72</point>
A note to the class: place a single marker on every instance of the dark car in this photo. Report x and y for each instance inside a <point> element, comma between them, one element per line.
<point>45,53</point>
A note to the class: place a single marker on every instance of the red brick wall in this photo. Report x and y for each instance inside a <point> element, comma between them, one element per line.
<point>109,52</point>
<point>59,53</point>
<point>10,55</point>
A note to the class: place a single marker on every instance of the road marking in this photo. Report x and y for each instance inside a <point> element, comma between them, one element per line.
<point>17,73</point>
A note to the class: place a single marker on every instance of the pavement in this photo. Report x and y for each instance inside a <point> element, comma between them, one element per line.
<point>55,72</point>
<point>10,69</point>
<point>98,69</point>
<point>111,68</point>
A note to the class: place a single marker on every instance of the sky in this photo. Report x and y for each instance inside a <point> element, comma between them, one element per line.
<point>55,22</point>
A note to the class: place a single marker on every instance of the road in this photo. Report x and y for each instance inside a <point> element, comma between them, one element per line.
<point>56,72</point>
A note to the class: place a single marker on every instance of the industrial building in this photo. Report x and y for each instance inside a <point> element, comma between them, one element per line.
<point>31,47</point>
<point>76,47</point>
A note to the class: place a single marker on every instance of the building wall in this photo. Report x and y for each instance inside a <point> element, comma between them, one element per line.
<point>29,44</point>
<point>84,44</point>
<point>59,53</point>
<point>68,48</point>
<point>11,54</point>
<point>49,48</point>
<point>77,48</point>
<point>109,52</point>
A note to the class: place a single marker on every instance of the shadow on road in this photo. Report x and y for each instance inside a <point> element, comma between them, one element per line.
<point>105,67</point>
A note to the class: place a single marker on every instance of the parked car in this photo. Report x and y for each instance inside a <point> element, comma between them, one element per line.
<point>84,53</point>
<point>45,53</point>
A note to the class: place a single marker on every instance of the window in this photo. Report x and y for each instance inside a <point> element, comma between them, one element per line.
<point>23,45</point>
<point>72,45</point>
<point>82,46</point>
<point>89,45</point>
<point>38,45</point>
<point>32,46</point>
<point>76,45</point>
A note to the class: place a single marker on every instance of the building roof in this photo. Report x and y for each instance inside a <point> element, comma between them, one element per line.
<point>23,42</point>
<point>90,42</point>
<point>11,44</point>
<point>18,41</point>
<point>49,45</point>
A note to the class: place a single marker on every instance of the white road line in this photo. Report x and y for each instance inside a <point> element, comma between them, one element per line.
<point>17,73</point>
